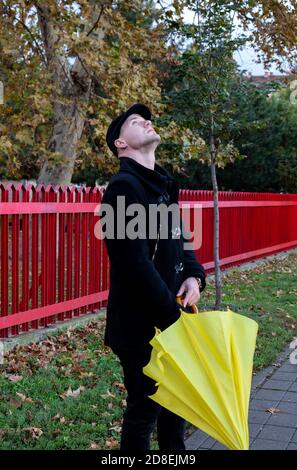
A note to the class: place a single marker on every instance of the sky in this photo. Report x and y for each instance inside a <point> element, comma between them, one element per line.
<point>247,57</point>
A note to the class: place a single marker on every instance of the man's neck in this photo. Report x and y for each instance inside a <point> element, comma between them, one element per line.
<point>147,160</point>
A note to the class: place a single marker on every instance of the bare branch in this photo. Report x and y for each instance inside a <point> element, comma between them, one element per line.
<point>96,22</point>
<point>43,57</point>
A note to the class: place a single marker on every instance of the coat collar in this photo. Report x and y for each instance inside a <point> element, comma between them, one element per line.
<point>158,180</point>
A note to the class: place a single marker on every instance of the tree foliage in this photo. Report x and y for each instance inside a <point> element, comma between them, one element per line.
<point>68,67</point>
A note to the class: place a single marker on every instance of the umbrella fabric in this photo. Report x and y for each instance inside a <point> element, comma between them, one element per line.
<point>203,368</point>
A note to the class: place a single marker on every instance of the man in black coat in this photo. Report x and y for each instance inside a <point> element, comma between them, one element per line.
<point>146,274</point>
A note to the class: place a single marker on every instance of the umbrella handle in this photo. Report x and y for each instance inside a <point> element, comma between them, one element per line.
<point>193,307</point>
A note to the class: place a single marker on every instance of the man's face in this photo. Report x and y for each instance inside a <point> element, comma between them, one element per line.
<point>137,132</point>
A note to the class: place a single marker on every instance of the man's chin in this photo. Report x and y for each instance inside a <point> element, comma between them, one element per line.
<point>153,137</point>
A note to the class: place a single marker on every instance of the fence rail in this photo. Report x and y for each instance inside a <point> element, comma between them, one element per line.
<point>53,268</point>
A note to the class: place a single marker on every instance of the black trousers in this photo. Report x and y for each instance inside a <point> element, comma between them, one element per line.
<point>142,413</point>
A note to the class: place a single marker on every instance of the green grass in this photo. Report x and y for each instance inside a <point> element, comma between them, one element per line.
<point>90,419</point>
<point>36,414</point>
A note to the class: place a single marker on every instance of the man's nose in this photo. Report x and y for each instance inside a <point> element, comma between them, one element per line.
<point>148,123</point>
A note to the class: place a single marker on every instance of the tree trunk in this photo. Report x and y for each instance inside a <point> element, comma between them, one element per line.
<point>66,133</point>
<point>73,84</point>
<point>216,217</point>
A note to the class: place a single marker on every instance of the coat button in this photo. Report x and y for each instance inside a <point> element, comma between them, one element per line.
<point>179,267</point>
<point>176,232</point>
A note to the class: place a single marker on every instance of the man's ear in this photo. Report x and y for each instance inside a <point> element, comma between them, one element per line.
<point>120,144</point>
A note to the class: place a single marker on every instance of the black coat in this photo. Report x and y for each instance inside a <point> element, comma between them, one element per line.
<point>143,292</point>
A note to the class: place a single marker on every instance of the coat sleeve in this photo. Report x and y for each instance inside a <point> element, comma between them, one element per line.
<point>192,266</point>
<point>131,258</point>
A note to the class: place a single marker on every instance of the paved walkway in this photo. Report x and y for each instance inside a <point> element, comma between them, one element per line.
<point>274,387</point>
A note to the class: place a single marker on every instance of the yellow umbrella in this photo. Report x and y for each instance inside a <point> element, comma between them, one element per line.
<point>203,368</point>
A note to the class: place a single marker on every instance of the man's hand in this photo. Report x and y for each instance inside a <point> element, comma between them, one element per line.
<point>191,290</point>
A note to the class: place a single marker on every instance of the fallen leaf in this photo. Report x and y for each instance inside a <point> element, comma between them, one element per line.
<point>29,400</point>
<point>56,417</point>
<point>22,396</point>
<point>72,393</point>
<point>273,410</point>
<point>14,378</point>
<point>86,374</point>
<point>33,433</point>
<point>120,386</point>
<point>94,445</point>
<point>16,403</point>
<point>107,395</point>
<point>111,443</point>
<point>279,293</point>
<point>116,428</point>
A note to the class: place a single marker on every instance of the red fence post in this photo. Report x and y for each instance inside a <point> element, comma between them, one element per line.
<point>77,254</point>
<point>4,259</point>
<point>97,249</point>
<point>62,196</point>
<point>35,245</point>
<point>15,258</point>
<point>105,267</point>
<point>84,249</point>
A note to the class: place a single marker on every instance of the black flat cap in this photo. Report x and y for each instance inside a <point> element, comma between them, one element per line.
<point>114,129</point>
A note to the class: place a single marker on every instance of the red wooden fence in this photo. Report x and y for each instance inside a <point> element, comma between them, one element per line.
<point>52,268</point>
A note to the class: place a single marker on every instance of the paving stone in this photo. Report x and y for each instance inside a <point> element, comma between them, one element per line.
<point>276,433</point>
<point>219,446</point>
<point>285,376</point>
<point>266,444</point>
<point>290,396</point>
<point>269,394</point>
<point>254,429</point>
<point>267,431</point>
<point>287,407</point>
<point>287,367</point>
<point>283,419</point>
<point>292,446</point>
<point>293,387</point>
<point>196,439</point>
<point>263,405</point>
<point>258,417</point>
<point>209,443</point>
<point>277,385</point>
